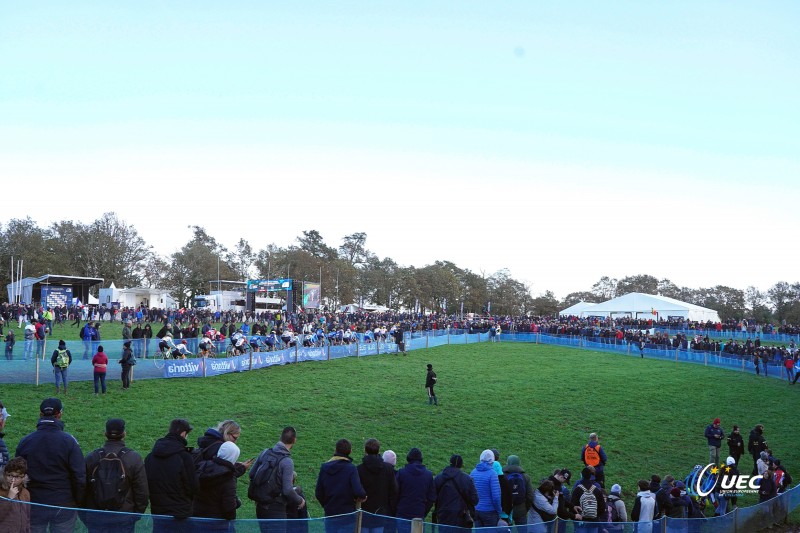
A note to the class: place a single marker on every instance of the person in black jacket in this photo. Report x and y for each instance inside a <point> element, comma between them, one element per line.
<point>735,444</point>
<point>456,496</point>
<point>379,483</point>
<point>216,496</point>
<point>213,438</point>
<point>126,361</point>
<point>171,479</point>
<point>430,382</point>
<point>56,469</point>
<point>136,496</point>
<point>755,445</point>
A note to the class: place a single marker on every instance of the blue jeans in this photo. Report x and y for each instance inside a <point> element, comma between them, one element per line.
<point>28,349</point>
<point>59,520</point>
<point>61,375</point>
<point>486,518</point>
<point>99,379</point>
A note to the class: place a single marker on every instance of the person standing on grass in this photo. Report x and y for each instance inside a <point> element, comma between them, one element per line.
<point>714,435</point>
<point>488,509</point>
<point>100,364</point>
<point>127,361</point>
<point>416,488</point>
<point>756,444</point>
<point>61,359</point>
<point>379,482</point>
<point>735,444</point>
<point>339,488</point>
<point>593,455</point>
<point>279,459</point>
<point>430,382</point>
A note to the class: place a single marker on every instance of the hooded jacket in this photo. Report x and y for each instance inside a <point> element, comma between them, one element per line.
<point>644,508</point>
<point>380,484</point>
<point>521,509</point>
<point>216,497</point>
<point>488,487</point>
<point>455,491</point>
<point>171,477</point>
<point>338,486</point>
<point>137,498</point>
<point>416,491</point>
<point>56,467</point>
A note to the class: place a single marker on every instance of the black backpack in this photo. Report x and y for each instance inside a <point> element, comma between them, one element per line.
<point>518,489</point>
<point>264,483</point>
<point>108,483</point>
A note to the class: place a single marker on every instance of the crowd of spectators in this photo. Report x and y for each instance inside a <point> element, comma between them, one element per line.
<point>180,482</point>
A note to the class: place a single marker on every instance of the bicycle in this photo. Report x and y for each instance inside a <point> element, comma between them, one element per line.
<point>243,349</point>
<point>161,356</point>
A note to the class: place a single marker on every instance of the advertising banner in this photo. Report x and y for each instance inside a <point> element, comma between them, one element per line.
<point>311,295</point>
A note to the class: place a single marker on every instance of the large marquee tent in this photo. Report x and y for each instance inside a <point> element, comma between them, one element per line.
<point>577,309</point>
<point>639,305</point>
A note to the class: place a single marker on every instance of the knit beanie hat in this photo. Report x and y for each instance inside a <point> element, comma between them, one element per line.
<point>487,456</point>
<point>730,461</point>
<point>616,489</point>
<point>414,454</point>
<point>228,451</point>
<point>513,460</point>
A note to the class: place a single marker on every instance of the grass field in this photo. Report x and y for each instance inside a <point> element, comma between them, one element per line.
<point>536,401</point>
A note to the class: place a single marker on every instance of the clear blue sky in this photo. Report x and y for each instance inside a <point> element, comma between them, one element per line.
<point>564,142</point>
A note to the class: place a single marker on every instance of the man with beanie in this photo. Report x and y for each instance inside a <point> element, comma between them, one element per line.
<point>756,444</point>
<point>521,490</point>
<point>339,488</point>
<point>171,479</point>
<point>456,496</point>
<point>430,382</point>
<point>380,484</point>
<point>61,359</point>
<point>416,491</point>
<point>618,511</point>
<point>56,470</point>
<point>135,495</point>
<point>714,436</point>
<point>487,512</point>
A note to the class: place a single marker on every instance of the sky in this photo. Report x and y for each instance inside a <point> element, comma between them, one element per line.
<point>560,141</point>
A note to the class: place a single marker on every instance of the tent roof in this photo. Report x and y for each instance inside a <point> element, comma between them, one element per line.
<point>57,279</point>
<point>575,310</point>
<point>637,302</point>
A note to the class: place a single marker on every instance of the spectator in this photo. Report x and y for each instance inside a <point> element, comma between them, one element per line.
<point>61,359</point>
<point>521,490</point>
<point>730,471</point>
<point>15,517</point>
<point>29,335</point>
<point>735,444</point>
<point>10,341</point>
<point>216,496</point>
<point>276,462</point>
<point>339,488</point>
<point>56,469</point>
<point>430,382</point>
<point>587,498</point>
<point>488,509</point>
<point>4,456</point>
<point>171,479</point>
<point>593,455</point>
<point>762,465</point>
<point>756,444</point>
<point>644,507</point>
<point>380,484</point>
<point>545,504</point>
<point>618,511</point>
<point>100,364</point>
<point>456,496</point>
<point>506,502</point>
<point>416,490</point>
<point>663,496</point>
<point>127,362</point>
<point>714,435</point>
<point>136,495</point>
<point>213,438</point>
<point>767,488</point>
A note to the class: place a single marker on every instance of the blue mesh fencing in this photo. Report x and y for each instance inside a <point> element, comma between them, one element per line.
<point>740,520</point>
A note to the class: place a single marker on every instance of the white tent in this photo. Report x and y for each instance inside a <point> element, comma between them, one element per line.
<point>575,310</point>
<point>638,305</point>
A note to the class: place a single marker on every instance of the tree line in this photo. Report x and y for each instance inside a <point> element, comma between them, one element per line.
<point>111,249</point>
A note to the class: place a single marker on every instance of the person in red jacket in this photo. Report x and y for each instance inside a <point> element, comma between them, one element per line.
<point>100,363</point>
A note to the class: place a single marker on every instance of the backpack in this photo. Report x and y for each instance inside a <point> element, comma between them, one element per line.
<point>264,483</point>
<point>62,359</point>
<point>591,455</point>
<point>108,483</point>
<point>588,502</point>
<point>613,512</point>
<point>518,490</point>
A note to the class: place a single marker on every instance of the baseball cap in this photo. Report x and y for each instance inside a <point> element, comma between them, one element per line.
<point>51,406</point>
<point>115,427</point>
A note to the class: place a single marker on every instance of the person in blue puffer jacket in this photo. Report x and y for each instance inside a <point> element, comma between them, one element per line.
<point>487,512</point>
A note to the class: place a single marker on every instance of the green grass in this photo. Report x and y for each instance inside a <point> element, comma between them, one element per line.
<point>536,401</point>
